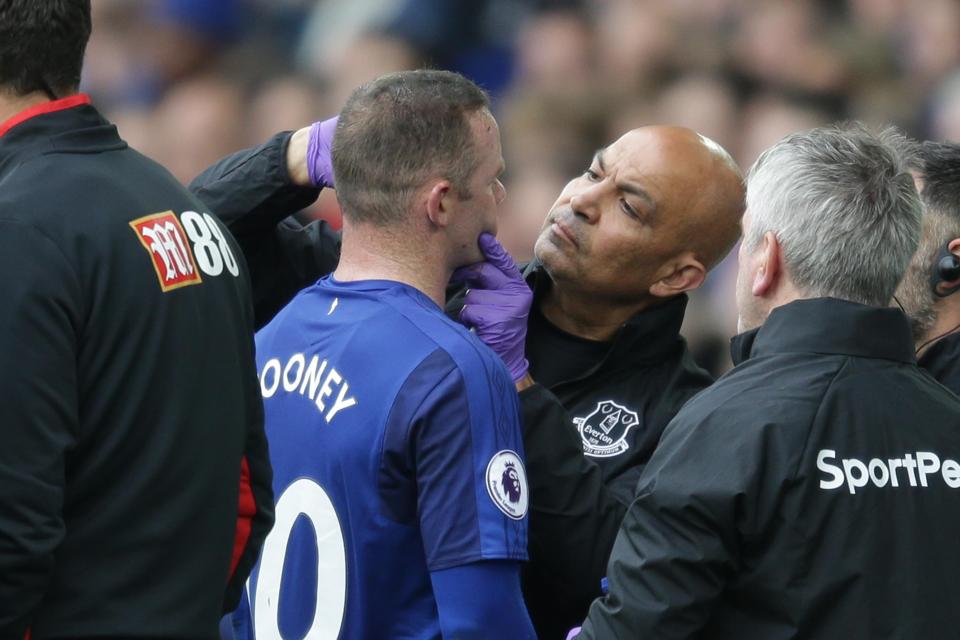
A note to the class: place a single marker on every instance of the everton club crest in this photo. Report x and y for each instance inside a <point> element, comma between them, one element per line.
<point>604,430</point>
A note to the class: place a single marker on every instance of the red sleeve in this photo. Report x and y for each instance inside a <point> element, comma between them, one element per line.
<point>245,514</point>
<point>254,512</point>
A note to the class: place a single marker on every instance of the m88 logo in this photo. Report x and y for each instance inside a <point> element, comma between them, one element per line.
<point>181,248</point>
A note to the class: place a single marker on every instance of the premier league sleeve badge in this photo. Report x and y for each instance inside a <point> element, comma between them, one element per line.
<point>507,484</point>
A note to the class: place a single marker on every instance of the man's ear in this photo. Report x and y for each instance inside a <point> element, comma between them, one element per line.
<point>685,274</point>
<point>954,247</point>
<point>439,203</point>
<point>767,275</point>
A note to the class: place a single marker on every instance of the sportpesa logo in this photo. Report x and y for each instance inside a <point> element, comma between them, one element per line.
<point>913,469</point>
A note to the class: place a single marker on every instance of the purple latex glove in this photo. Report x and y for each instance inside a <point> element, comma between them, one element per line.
<point>573,633</point>
<point>319,157</point>
<point>497,304</point>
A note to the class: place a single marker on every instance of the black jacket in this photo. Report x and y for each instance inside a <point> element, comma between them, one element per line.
<point>129,404</point>
<point>620,405</point>
<point>942,360</point>
<point>576,502</point>
<point>769,509</point>
<point>251,192</point>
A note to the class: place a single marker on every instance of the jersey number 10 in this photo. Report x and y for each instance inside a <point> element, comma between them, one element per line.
<point>303,497</point>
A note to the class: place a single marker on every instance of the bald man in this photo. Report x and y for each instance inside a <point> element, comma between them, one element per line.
<point>653,213</point>
<point>625,240</point>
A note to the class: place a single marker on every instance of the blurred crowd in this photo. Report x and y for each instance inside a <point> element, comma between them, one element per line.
<point>188,81</point>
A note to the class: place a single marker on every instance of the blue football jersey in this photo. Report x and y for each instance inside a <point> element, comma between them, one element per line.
<point>395,440</point>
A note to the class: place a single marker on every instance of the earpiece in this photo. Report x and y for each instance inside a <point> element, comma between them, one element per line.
<point>946,270</point>
<point>949,267</point>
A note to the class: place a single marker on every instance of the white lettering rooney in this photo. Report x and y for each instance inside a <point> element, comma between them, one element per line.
<point>330,392</point>
<point>913,469</point>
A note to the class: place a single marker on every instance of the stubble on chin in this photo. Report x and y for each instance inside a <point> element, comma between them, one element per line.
<point>543,248</point>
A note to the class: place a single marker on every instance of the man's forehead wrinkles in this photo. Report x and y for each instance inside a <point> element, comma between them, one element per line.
<point>653,183</point>
<point>647,172</point>
<point>598,157</point>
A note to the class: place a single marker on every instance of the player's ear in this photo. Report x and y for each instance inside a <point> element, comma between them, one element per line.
<point>439,202</point>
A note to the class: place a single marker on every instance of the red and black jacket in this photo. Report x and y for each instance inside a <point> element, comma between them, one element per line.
<point>134,477</point>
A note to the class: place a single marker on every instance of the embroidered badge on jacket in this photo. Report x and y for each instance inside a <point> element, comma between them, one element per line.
<point>604,430</point>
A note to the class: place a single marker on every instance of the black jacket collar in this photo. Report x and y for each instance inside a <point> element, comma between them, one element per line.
<point>828,326</point>
<point>80,129</point>
<point>649,336</point>
<point>942,360</point>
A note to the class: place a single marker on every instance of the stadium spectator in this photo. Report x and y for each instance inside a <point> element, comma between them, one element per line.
<point>198,121</point>
<point>945,110</point>
<point>809,492</point>
<point>396,432</point>
<point>131,420</point>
